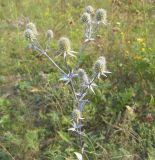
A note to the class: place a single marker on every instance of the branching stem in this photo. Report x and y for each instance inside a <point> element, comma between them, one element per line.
<point>91,82</point>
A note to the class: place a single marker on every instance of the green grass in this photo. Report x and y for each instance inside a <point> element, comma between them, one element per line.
<point>35,108</point>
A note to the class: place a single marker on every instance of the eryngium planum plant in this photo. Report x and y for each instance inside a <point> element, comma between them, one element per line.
<point>91,23</point>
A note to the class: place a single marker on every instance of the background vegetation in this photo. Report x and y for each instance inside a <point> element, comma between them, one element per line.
<point>35,108</point>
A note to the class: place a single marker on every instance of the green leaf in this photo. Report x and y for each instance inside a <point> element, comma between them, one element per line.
<point>32,139</point>
<point>22,85</point>
<point>64,136</point>
<point>4,102</point>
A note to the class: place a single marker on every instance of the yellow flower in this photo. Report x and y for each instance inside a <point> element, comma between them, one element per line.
<point>138,58</point>
<point>140,40</point>
<point>143,49</point>
<point>122,33</point>
<point>129,42</point>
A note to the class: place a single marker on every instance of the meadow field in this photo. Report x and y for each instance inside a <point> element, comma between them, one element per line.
<point>36,107</point>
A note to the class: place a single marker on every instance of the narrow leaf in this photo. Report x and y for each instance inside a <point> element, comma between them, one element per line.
<point>78,155</point>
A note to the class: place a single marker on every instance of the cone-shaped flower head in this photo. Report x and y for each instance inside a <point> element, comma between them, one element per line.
<point>85,18</point>
<point>90,9</point>
<point>32,26</point>
<point>49,34</point>
<point>101,16</point>
<point>83,77</point>
<point>29,35</point>
<point>100,65</point>
<point>64,45</point>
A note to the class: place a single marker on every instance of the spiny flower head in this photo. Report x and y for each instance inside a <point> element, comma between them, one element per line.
<point>49,34</point>
<point>102,59</point>
<point>64,45</point>
<point>101,16</point>
<point>85,18</point>
<point>90,9</point>
<point>29,35</point>
<point>83,77</point>
<point>100,66</point>
<point>32,26</point>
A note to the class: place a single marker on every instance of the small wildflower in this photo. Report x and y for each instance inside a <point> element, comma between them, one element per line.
<point>90,9</point>
<point>100,67</point>
<point>20,22</point>
<point>49,34</point>
<point>29,35</point>
<point>143,49</point>
<point>64,44</point>
<point>85,18</point>
<point>32,27</point>
<point>122,33</point>
<point>138,58</point>
<point>101,16</point>
<point>65,47</point>
<point>140,40</point>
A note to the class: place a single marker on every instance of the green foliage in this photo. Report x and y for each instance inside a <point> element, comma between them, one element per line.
<point>64,136</point>
<point>31,138</point>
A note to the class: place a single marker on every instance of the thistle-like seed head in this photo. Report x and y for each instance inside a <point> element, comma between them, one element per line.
<point>102,58</point>
<point>101,15</point>
<point>85,18</point>
<point>32,26</point>
<point>64,45</point>
<point>82,76</point>
<point>100,65</point>
<point>29,35</point>
<point>90,10</point>
<point>49,34</point>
